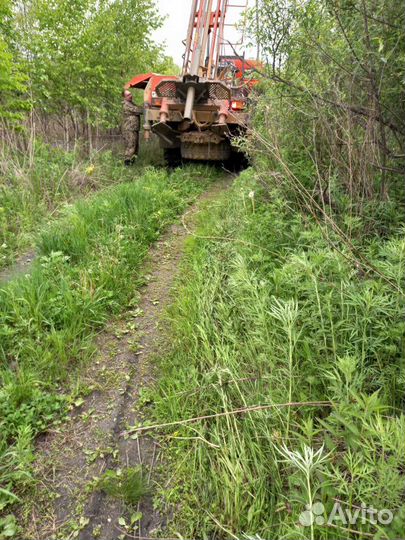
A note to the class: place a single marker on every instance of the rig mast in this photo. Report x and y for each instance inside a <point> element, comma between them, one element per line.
<point>198,115</point>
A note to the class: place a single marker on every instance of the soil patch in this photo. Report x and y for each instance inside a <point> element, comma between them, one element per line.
<point>96,437</point>
<point>21,267</point>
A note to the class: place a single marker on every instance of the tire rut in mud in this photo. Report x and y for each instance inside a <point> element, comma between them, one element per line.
<point>93,441</point>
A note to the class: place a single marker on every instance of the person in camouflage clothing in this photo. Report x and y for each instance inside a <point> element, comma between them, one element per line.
<point>131,127</point>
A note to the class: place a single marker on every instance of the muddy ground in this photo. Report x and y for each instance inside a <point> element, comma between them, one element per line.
<point>97,437</point>
<point>21,267</point>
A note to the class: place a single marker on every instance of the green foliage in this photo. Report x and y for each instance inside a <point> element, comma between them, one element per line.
<point>80,53</point>
<point>8,527</point>
<point>88,270</point>
<point>127,485</point>
<point>70,59</point>
<point>12,79</point>
<point>330,107</point>
<point>276,315</point>
<point>33,189</point>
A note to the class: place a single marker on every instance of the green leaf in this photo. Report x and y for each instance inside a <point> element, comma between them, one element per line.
<point>137,516</point>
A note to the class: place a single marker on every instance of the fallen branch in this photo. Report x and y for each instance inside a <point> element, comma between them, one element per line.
<point>243,410</point>
<point>354,531</point>
<point>137,537</point>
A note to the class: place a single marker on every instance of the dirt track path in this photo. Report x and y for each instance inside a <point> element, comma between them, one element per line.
<point>94,439</point>
<point>22,266</point>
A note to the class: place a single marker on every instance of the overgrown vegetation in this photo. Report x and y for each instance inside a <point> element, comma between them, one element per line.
<point>87,271</point>
<point>62,67</point>
<point>38,186</point>
<point>334,100</point>
<point>275,316</point>
<point>284,389</point>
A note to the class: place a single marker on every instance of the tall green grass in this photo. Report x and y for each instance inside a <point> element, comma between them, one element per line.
<point>88,270</point>
<point>274,315</point>
<point>36,186</point>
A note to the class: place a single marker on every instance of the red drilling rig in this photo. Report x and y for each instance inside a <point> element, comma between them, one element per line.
<point>197,115</point>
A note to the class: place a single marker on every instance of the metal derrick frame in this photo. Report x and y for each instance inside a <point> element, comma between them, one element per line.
<point>206,37</point>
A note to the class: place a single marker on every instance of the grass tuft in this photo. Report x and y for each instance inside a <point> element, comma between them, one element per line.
<point>127,485</point>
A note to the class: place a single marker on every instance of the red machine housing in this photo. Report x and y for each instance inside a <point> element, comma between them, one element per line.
<point>197,115</point>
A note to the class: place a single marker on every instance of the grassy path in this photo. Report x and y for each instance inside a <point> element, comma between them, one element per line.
<point>262,312</point>
<point>97,441</point>
<point>268,313</point>
<point>87,271</point>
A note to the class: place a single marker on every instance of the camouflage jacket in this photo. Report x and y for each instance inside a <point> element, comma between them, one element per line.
<point>131,116</point>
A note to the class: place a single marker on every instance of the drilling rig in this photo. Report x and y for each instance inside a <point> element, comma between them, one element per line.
<point>198,115</point>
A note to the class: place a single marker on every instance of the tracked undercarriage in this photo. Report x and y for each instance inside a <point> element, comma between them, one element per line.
<point>199,115</point>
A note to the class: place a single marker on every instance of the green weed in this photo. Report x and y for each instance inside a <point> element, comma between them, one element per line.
<point>275,315</point>
<point>87,271</point>
<point>127,485</point>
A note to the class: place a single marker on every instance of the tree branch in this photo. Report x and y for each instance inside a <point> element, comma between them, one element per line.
<point>357,110</point>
